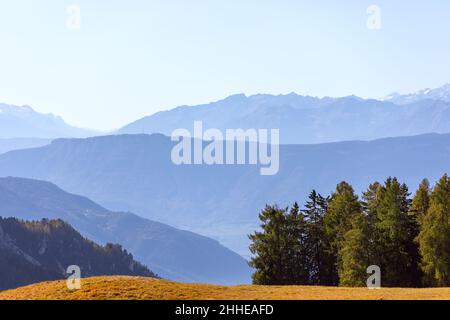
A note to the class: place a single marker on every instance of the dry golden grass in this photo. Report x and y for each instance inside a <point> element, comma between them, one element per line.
<point>136,288</point>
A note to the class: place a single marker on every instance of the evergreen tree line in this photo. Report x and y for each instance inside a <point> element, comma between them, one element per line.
<point>334,239</point>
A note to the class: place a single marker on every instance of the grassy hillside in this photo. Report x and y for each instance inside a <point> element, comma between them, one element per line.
<point>152,289</point>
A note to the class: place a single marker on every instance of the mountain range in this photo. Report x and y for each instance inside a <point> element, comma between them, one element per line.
<point>132,171</point>
<point>135,173</point>
<point>24,122</point>
<point>311,120</point>
<point>171,253</point>
<point>43,250</point>
<point>21,143</point>
<point>301,119</point>
<point>439,94</point>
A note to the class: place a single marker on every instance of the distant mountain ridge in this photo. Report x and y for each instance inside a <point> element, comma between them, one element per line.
<point>39,251</point>
<point>21,143</point>
<point>301,119</point>
<point>171,253</point>
<point>438,94</point>
<point>135,173</point>
<point>309,120</point>
<point>24,122</point>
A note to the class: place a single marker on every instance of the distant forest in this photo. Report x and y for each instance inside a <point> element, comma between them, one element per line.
<point>336,238</point>
<point>36,251</point>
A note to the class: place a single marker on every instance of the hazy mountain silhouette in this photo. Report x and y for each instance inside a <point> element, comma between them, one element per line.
<point>33,252</point>
<point>24,122</point>
<point>171,253</point>
<point>438,94</point>
<point>301,119</point>
<point>304,119</point>
<point>135,173</point>
<point>21,143</point>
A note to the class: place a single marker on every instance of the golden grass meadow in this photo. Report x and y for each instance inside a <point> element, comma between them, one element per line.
<point>138,288</point>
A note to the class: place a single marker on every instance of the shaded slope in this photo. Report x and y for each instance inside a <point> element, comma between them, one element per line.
<point>36,251</point>
<point>170,252</point>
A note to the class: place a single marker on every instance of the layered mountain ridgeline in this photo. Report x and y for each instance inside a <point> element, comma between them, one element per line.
<point>169,252</point>
<point>33,252</point>
<point>21,143</point>
<point>24,122</point>
<point>305,119</point>
<point>302,119</point>
<point>135,173</point>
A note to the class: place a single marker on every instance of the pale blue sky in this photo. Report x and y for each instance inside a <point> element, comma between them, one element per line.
<point>133,58</point>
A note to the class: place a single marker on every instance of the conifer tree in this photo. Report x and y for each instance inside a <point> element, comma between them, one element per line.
<point>419,208</point>
<point>344,206</point>
<point>267,248</point>
<point>297,269</point>
<point>434,237</point>
<point>394,241</point>
<point>354,255</point>
<point>333,240</point>
<point>320,264</point>
<point>421,201</point>
<point>371,205</point>
<point>279,255</point>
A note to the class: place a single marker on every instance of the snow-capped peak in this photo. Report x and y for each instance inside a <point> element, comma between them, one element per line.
<point>441,93</point>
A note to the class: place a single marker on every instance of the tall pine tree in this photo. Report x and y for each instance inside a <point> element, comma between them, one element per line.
<point>394,241</point>
<point>419,208</point>
<point>354,255</point>
<point>297,269</point>
<point>320,264</point>
<point>434,237</point>
<point>344,206</point>
<point>421,201</point>
<point>268,248</point>
<point>371,203</point>
<point>279,255</point>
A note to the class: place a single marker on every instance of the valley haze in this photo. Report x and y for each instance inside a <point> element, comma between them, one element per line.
<point>322,142</point>
<point>222,202</point>
<point>184,150</point>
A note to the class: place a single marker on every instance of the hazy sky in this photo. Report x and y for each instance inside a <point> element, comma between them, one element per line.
<point>132,58</point>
